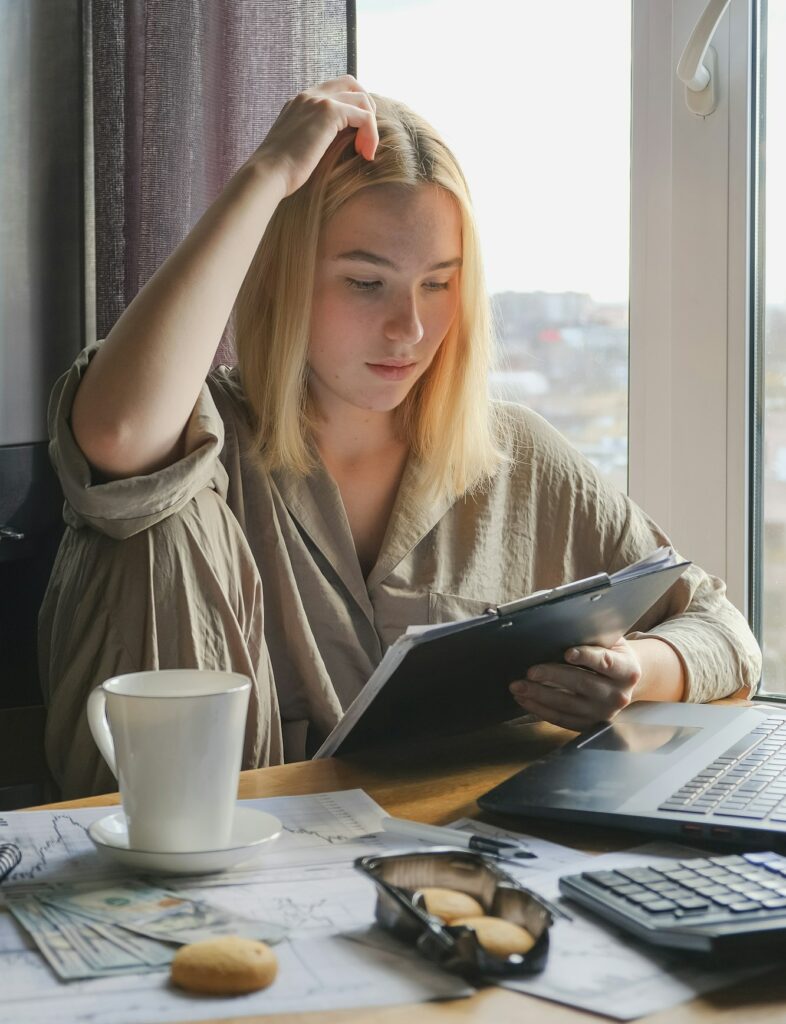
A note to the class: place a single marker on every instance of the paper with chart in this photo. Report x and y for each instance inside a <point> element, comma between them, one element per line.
<point>591,965</point>
<point>596,967</point>
<point>305,882</point>
<point>317,831</point>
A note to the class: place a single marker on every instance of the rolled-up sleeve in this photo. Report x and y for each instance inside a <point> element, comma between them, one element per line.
<point>121,508</point>
<point>695,617</point>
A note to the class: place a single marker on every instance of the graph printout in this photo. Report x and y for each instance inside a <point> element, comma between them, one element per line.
<point>304,881</point>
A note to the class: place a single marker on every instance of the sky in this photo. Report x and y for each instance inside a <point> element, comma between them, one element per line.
<point>540,123</point>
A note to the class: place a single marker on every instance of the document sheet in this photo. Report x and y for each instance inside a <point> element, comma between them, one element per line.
<point>303,882</point>
<point>597,967</point>
<point>591,965</point>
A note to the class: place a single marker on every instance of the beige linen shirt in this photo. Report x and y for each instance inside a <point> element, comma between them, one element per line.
<point>546,518</point>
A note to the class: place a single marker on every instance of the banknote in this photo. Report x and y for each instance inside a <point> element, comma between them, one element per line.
<point>155,912</point>
<point>108,947</point>
<point>78,948</point>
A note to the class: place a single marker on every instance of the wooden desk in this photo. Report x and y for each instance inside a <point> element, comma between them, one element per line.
<point>442,783</point>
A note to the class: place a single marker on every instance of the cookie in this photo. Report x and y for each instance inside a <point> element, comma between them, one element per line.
<point>497,936</point>
<point>225,966</point>
<point>448,904</point>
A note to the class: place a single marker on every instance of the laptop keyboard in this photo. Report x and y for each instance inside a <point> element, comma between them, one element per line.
<point>747,781</point>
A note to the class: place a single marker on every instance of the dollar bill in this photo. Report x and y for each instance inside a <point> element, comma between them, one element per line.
<point>156,912</point>
<point>78,948</point>
<point>108,947</point>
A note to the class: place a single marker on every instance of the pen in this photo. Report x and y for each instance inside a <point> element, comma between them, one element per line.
<point>457,837</point>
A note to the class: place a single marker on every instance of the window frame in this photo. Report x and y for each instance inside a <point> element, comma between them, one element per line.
<point>691,321</point>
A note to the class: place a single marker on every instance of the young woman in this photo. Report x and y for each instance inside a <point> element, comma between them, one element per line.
<point>290,517</point>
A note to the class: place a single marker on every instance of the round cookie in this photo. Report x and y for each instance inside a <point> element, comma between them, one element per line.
<point>497,936</point>
<point>448,904</point>
<point>225,966</point>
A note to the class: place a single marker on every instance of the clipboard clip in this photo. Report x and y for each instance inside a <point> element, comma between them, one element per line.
<point>599,582</point>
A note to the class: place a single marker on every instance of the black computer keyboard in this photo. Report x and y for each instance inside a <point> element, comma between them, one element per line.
<point>729,903</point>
<point>746,781</point>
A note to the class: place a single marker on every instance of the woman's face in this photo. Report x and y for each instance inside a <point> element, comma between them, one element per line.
<point>385,293</point>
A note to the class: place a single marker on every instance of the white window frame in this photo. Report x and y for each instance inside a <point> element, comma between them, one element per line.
<point>690,320</point>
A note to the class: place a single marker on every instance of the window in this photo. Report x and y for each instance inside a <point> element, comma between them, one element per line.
<point>543,135</point>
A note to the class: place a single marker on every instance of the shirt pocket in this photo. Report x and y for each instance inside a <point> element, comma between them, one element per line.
<point>453,607</point>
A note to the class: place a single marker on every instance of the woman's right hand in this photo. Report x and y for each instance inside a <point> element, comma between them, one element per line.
<point>310,121</point>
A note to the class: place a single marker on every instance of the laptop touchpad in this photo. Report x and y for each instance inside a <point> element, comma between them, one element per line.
<point>640,738</point>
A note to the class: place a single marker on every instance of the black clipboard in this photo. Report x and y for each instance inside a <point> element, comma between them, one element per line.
<point>454,677</point>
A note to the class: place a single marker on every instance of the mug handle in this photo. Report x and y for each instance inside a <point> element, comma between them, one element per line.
<point>99,727</point>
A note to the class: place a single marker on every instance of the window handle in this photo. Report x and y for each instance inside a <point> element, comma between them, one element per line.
<point>698,66</point>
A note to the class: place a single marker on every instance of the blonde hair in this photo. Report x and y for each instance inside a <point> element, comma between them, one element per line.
<point>446,419</point>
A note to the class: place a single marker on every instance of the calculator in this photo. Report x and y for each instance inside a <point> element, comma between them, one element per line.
<point>733,903</point>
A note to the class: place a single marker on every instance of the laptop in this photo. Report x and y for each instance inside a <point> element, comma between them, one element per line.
<point>698,771</point>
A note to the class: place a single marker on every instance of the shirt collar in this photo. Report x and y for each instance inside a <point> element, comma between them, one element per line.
<point>315,502</point>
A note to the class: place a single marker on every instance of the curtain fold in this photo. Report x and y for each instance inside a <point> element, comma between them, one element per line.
<point>183,92</point>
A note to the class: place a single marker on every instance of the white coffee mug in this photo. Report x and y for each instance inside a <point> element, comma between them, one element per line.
<point>174,741</point>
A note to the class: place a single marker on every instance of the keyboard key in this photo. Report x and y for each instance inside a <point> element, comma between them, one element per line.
<point>660,885</point>
<point>774,902</point>
<point>714,871</point>
<point>765,857</point>
<point>744,906</point>
<point>644,897</point>
<point>693,903</point>
<point>712,890</point>
<point>754,874</point>
<point>608,879</point>
<point>739,749</point>
<point>660,906</point>
<point>641,875</point>
<point>725,899</point>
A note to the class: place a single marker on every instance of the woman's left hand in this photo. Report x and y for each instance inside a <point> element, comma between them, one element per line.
<point>593,685</point>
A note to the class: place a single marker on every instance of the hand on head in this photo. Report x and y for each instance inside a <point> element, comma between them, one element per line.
<point>310,121</point>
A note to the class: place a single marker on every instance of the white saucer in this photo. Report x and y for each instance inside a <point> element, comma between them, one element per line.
<point>251,829</point>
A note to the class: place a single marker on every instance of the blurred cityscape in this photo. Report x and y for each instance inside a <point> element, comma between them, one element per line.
<point>566,356</point>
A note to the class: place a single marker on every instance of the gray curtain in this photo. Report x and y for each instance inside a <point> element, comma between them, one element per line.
<point>183,92</point>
